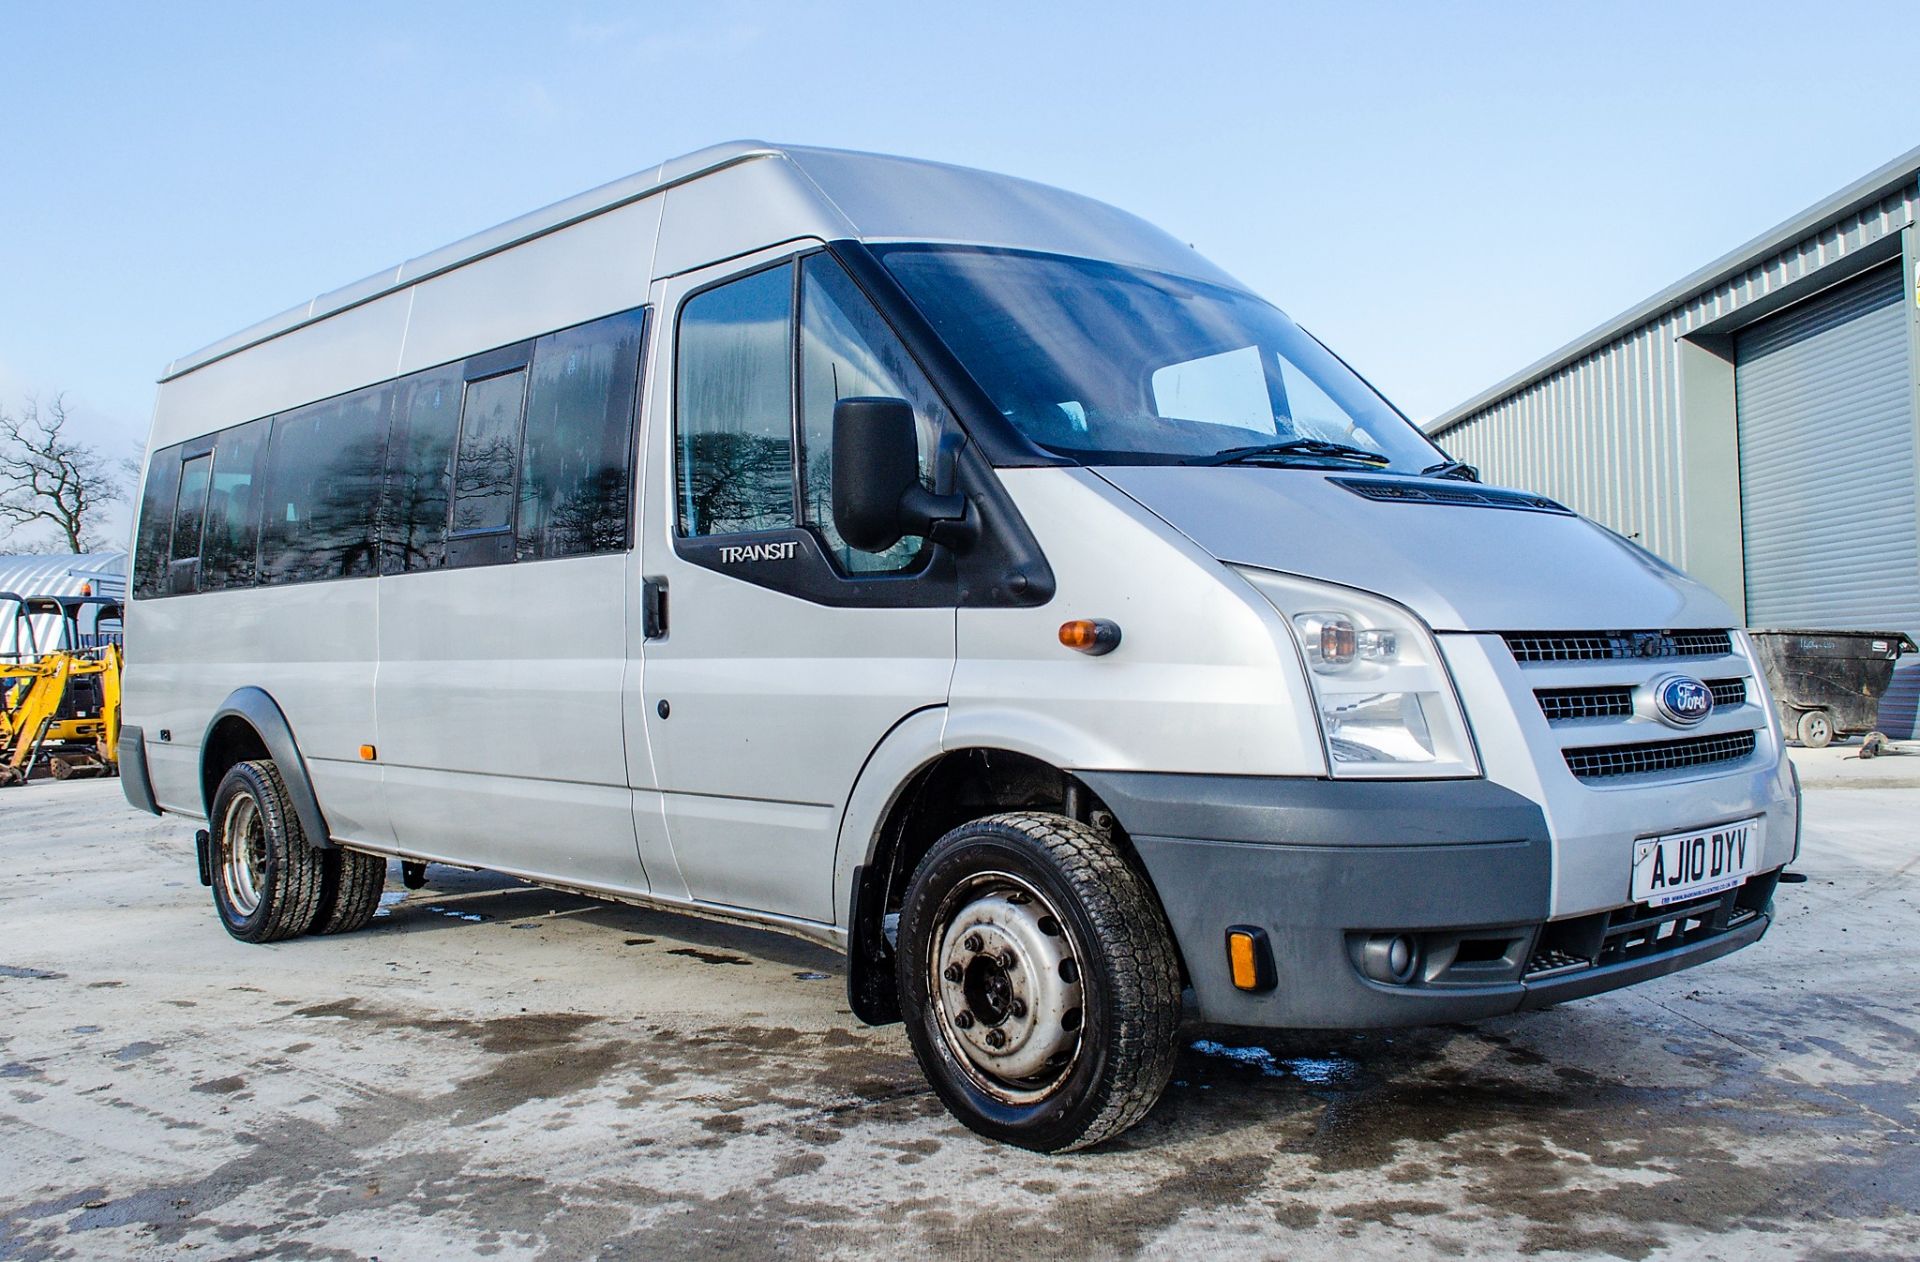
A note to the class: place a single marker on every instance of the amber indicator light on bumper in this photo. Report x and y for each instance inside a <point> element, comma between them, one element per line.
<point>1092,636</point>
<point>1249,958</point>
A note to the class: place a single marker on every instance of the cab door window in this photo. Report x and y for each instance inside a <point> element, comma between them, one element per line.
<point>733,414</point>
<point>846,352</point>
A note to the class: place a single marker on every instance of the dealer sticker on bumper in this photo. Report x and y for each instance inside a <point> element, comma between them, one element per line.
<point>1680,866</point>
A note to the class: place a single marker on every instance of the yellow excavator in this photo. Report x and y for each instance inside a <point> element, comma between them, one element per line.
<point>60,701</point>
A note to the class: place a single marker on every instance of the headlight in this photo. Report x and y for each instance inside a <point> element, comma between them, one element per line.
<point>1387,706</point>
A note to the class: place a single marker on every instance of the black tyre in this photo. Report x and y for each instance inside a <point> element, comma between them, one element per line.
<point>266,878</point>
<point>350,888</point>
<point>1039,981</point>
<point>1814,728</point>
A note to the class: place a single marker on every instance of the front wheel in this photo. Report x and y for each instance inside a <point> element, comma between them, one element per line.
<point>1039,981</point>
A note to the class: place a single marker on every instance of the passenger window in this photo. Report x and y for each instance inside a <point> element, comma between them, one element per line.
<point>426,423</point>
<point>189,514</point>
<point>733,410</point>
<point>575,453</point>
<point>847,351</point>
<point>232,538</point>
<point>324,467</point>
<point>1225,389</point>
<point>489,448</point>
<point>154,539</point>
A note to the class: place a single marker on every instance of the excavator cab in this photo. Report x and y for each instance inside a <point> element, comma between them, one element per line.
<point>60,686</point>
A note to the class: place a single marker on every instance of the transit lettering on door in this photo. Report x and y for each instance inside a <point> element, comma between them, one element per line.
<point>1701,858</point>
<point>734,552</point>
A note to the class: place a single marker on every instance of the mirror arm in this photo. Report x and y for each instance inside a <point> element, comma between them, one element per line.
<point>943,519</point>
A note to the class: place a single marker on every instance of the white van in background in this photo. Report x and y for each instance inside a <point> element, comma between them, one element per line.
<point>949,569</point>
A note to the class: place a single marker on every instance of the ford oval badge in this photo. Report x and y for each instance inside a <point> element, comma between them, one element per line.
<point>1682,701</point>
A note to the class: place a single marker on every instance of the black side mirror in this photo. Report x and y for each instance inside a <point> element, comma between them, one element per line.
<point>877,496</point>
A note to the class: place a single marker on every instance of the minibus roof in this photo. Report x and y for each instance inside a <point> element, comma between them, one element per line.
<point>840,193</point>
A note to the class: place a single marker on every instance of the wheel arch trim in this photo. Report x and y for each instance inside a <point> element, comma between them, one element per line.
<point>255,708</point>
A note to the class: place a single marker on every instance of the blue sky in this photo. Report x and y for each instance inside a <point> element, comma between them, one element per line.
<point>1441,192</point>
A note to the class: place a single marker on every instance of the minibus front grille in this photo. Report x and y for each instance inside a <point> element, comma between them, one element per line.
<point>1458,495</point>
<point>1562,705</point>
<point>1601,762</point>
<point>1728,692</point>
<point>1611,646</point>
<point>1567,705</point>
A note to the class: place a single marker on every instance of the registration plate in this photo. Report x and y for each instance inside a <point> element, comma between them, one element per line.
<point>1680,866</point>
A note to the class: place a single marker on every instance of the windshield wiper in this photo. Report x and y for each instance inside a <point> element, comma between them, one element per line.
<point>1452,469</point>
<point>1314,447</point>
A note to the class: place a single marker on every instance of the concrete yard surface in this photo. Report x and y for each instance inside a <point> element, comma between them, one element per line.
<point>497,1070</point>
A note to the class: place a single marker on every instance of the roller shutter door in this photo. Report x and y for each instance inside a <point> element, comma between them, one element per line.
<point>1827,461</point>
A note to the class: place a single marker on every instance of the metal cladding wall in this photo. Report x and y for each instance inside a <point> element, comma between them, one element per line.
<point>1601,431</point>
<point>1641,425</point>
<point>61,574</point>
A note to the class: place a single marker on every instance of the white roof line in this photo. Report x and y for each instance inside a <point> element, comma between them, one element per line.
<point>516,231</point>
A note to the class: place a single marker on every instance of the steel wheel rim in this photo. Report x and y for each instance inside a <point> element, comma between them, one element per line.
<point>243,857</point>
<point>1015,1027</point>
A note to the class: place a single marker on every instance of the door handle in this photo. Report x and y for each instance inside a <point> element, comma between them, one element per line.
<point>653,607</point>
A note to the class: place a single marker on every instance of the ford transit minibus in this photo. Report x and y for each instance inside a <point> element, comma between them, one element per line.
<point>949,569</point>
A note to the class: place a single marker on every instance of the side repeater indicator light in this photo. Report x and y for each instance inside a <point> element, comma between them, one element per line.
<point>1250,958</point>
<point>367,753</point>
<point>1093,636</point>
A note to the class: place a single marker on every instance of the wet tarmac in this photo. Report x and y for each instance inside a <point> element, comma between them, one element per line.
<point>499,1071</point>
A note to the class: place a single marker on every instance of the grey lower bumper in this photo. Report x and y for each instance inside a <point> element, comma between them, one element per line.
<point>1462,866</point>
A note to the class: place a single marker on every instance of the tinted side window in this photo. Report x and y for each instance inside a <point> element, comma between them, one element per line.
<point>575,453</point>
<point>426,419</point>
<point>233,508</point>
<point>489,444</point>
<point>847,351</point>
<point>190,510</point>
<point>323,489</point>
<point>733,411</point>
<point>153,542</point>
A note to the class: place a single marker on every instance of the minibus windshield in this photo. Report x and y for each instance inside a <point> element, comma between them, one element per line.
<point>1118,365</point>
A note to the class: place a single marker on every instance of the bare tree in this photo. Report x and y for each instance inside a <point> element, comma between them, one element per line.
<point>46,476</point>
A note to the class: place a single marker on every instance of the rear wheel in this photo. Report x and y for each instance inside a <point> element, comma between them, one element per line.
<point>1814,728</point>
<point>351,885</point>
<point>1039,981</point>
<point>266,878</point>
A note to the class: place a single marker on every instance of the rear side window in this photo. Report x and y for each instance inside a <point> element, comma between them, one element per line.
<point>733,413</point>
<point>426,421</point>
<point>154,540</point>
<point>189,516</point>
<point>576,452</point>
<point>232,536</point>
<point>323,489</point>
<point>489,447</point>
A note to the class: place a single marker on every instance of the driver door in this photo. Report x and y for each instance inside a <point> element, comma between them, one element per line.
<point>777,657</point>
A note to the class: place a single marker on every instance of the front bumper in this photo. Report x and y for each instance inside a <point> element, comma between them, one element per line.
<point>1462,867</point>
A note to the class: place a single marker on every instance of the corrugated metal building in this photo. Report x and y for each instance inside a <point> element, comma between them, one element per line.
<point>63,574</point>
<point>1756,423</point>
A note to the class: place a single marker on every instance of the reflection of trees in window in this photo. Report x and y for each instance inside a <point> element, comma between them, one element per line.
<point>324,470</point>
<point>413,526</point>
<point>734,408</point>
<point>578,436</point>
<point>483,483</point>
<point>233,521</point>
<point>156,523</point>
<point>847,351</point>
<point>735,482</point>
<point>489,450</point>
